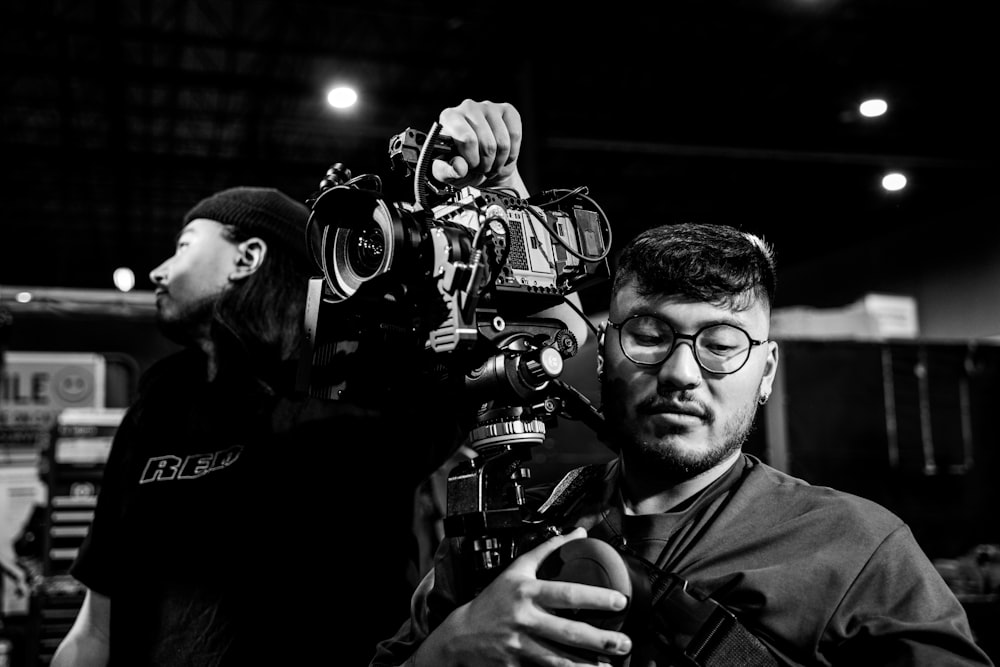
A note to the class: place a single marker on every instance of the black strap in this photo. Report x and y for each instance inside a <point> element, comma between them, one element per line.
<point>704,632</point>
<point>695,628</point>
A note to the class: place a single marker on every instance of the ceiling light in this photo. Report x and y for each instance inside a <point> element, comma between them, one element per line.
<point>124,279</point>
<point>341,97</point>
<point>873,107</point>
<point>894,181</point>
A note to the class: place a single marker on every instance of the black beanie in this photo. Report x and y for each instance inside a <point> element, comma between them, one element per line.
<point>264,212</point>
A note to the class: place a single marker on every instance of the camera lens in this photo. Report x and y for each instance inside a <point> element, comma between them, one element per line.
<point>365,250</point>
<point>364,237</point>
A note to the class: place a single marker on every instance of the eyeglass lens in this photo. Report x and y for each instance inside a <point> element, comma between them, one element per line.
<point>720,348</point>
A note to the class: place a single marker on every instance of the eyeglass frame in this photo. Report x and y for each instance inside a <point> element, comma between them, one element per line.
<point>678,337</point>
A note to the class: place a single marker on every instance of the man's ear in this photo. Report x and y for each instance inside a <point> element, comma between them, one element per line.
<point>770,369</point>
<point>249,257</point>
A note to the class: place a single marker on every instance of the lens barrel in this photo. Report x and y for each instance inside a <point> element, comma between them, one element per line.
<point>364,237</point>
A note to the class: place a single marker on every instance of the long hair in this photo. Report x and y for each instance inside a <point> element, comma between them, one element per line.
<point>264,313</point>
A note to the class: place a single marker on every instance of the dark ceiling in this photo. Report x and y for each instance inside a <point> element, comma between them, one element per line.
<point>117,116</point>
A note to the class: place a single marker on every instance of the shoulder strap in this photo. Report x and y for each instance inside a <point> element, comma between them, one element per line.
<point>704,632</point>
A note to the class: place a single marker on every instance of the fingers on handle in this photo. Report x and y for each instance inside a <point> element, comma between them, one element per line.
<point>452,170</point>
<point>515,132</point>
<point>486,134</point>
<point>462,123</point>
<point>505,130</point>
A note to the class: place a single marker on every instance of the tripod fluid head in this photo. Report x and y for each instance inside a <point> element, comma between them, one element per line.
<point>487,505</point>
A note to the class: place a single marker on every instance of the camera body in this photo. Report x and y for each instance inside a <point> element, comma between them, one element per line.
<point>473,246</point>
<point>448,273</point>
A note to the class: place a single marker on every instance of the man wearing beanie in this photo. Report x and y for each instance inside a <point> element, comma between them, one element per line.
<point>265,212</point>
<point>213,540</point>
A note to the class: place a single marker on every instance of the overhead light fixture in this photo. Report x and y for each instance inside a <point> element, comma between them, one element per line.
<point>342,97</point>
<point>894,181</point>
<point>124,279</point>
<point>873,107</point>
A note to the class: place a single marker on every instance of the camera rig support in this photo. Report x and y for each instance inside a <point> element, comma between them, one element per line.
<point>460,275</point>
<point>486,502</point>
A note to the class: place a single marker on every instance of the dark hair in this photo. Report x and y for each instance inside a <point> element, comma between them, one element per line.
<point>265,312</point>
<point>717,264</point>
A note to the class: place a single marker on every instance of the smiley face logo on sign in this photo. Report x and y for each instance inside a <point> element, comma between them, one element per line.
<point>74,385</point>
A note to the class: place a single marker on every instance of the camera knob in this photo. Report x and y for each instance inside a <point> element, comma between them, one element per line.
<point>542,366</point>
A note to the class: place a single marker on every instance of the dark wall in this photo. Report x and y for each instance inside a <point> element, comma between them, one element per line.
<point>910,425</point>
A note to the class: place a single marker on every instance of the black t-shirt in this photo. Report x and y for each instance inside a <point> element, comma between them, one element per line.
<point>237,525</point>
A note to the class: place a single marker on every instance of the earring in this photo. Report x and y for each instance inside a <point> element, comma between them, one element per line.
<point>762,399</point>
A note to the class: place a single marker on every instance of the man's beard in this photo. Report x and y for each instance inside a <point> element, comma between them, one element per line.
<point>188,323</point>
<point>660,457</point>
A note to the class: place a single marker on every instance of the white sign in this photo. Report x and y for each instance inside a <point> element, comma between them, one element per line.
<point>36,386</point>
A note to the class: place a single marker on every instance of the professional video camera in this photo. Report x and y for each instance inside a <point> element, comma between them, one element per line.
<point>462,283</point>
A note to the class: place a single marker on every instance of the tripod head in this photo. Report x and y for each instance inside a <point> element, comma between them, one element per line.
<point>486,503</point>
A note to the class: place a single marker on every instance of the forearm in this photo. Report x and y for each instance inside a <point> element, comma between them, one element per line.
<point>81,650</point>
<point>514,182</point>
<point>88,642</point>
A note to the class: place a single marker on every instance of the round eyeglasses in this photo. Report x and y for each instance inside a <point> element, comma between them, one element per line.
<point>719,348</point>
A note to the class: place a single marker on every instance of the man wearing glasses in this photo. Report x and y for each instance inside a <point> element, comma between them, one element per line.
<point>704,555</point>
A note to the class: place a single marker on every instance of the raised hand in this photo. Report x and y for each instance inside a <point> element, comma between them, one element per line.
<point>487,138</point>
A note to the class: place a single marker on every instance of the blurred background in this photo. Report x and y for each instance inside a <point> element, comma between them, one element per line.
<point>118,116</point>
